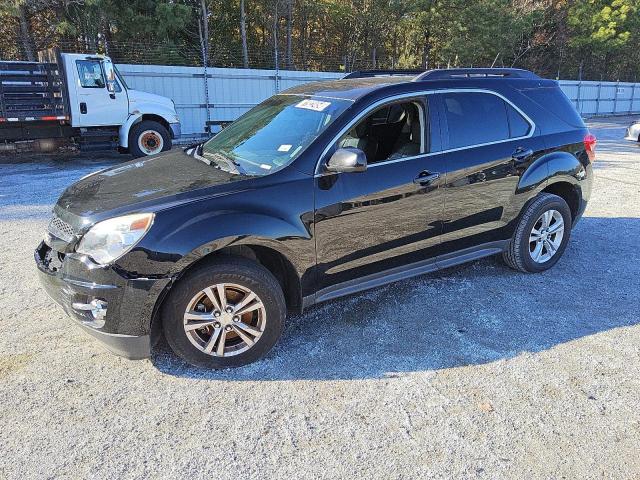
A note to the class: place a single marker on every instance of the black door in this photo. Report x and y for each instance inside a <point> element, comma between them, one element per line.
<point>486,144</point>
<point>373,224</point>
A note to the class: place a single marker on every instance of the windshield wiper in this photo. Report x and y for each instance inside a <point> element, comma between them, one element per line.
<point>219,160</point>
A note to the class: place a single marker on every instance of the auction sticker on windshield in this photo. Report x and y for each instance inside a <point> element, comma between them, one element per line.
<point>315,105</point>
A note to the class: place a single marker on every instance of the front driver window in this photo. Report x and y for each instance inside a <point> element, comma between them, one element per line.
<point>90,74</point>
<point>388,133</point>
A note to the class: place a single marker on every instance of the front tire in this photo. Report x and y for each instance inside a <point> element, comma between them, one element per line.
<point>148,138</point>
<point>541,235</point>
<point>224,314</point>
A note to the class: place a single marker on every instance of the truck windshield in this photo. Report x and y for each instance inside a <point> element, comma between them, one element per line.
<point>271,135</point>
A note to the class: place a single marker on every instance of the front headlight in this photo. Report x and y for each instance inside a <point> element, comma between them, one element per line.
<point>110,239</point>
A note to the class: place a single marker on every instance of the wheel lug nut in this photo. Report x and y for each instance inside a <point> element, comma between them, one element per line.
<point>227,328</point>
<point>216,314</point>
<point>216,325</point>
<point>236,318</point>
<point>228,309</point>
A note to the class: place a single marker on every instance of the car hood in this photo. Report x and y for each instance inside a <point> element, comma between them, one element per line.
<point>148,184</point>
<point>139,97</point>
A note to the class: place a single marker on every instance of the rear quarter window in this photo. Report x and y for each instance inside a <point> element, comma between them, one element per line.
<point>518,126</point>
<point>556,102</point>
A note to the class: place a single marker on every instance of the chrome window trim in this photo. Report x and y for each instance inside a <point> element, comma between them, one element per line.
<point>417,94</point>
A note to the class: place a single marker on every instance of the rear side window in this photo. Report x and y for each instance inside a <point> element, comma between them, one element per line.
<point>474,118</point>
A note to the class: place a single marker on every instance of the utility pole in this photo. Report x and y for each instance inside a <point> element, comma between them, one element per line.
<point>203,30</point>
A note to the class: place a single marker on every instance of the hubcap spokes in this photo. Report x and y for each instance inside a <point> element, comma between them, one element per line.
<point>224,319</point>
<point>546,236</point>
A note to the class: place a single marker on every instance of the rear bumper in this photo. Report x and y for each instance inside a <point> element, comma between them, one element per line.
<point>584,186</point>
<point>125,329</point>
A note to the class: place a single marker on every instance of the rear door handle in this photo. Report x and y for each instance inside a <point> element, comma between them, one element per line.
<point>521,154</point>
<point>425,178</point>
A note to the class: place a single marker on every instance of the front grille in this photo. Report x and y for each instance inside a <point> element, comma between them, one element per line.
<point>61,229</point>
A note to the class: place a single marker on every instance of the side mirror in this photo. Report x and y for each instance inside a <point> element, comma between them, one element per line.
<point>111,76</point>
<point>347,159</point>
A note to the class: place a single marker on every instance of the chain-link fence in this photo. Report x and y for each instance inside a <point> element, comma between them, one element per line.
<point>192,55</point>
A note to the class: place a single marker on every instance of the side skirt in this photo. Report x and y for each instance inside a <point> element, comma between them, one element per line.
<point>405,272</point>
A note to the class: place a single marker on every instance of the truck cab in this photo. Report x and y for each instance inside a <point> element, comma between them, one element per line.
<point>88,101</point>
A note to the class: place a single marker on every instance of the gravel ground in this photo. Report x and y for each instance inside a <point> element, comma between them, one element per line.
<point>475,371</point>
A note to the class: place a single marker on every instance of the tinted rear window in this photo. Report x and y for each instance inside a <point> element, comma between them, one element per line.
<point>474,118</point>
<point>555,101</point>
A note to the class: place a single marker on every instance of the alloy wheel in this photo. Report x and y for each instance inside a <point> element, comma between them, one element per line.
<point>546,236</point>
<point>224,319</point>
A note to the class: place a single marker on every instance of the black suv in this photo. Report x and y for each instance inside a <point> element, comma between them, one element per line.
<point>321,191</point>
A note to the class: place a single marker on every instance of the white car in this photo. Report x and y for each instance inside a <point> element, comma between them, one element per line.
<point>633,132</point>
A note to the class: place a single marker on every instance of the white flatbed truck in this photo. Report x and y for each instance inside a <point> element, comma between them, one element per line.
<point>82,99</point>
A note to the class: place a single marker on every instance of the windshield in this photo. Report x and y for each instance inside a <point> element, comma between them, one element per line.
<point>271,135</point>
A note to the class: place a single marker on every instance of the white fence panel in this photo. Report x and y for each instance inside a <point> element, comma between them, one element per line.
<point>603,98</point>
<point>233,91</point>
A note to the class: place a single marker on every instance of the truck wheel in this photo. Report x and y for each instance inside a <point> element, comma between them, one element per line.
<point>541,235</point>
<point>148,138</point>
<point>224,314</point>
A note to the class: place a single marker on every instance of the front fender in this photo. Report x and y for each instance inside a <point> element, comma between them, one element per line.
<point>185,242</point>
<point>123,132</point>
<point>166,113</point>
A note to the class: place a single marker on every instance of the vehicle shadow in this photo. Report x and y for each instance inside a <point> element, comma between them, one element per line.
<point>463,316</point>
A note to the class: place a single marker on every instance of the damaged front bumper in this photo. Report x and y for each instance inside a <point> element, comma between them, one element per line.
<point>106,303</point>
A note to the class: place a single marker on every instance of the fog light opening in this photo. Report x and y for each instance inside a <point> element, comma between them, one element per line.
<point>97,308</point>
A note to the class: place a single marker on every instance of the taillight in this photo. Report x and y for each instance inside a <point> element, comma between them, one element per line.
<point>590,142</point>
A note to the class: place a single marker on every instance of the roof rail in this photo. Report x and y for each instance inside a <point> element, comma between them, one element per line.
<point>381,73</point>
<point>452,73</point>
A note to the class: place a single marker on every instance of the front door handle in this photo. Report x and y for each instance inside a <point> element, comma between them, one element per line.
<point>425,178</point>
<point>83,107</point>
<point>521,155</point>
<point>112,96</point>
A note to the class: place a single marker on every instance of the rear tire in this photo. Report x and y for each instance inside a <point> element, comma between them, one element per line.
<point>245,336</point>
<point>541,235</point>
<point>148,138</point>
